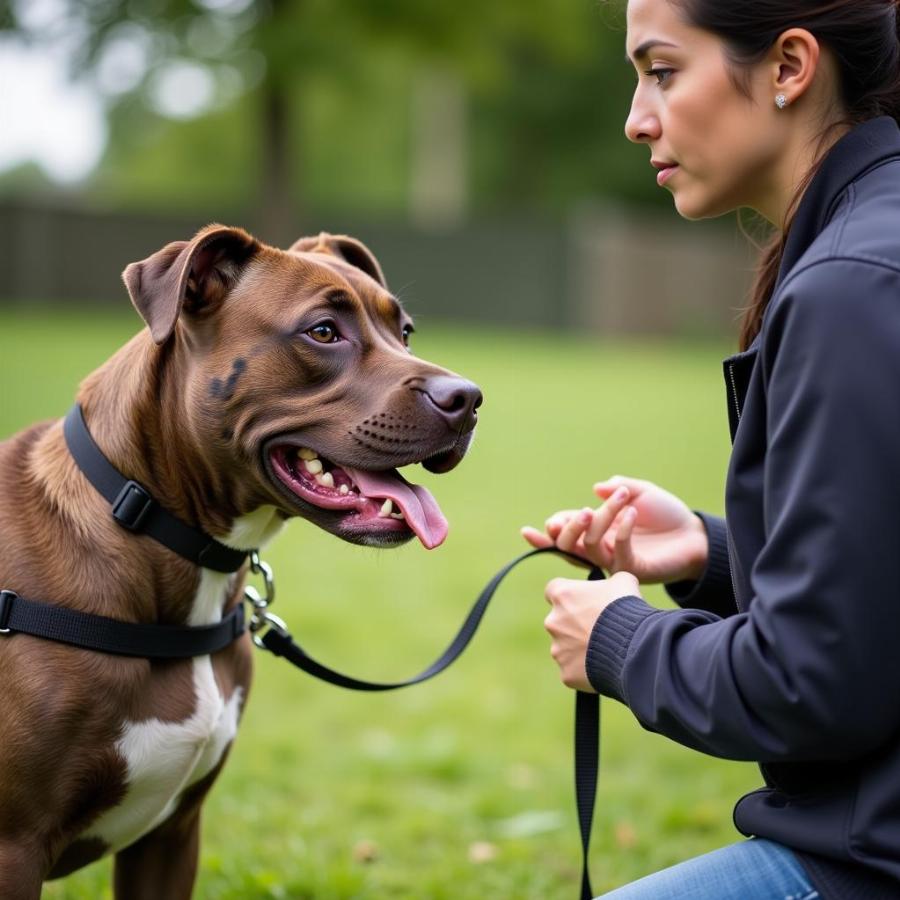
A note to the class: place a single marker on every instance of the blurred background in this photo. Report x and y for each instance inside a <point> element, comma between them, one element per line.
<point>476,146</point>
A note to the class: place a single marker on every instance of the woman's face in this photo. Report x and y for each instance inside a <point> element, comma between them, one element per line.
<point>717,147</point>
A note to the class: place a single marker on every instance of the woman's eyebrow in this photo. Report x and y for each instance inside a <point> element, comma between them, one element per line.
<point>646,47</point>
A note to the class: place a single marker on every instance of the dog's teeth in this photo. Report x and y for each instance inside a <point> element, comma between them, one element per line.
<point>397,515</point>
<point>386,509</point>
<point>313,466</point>
<point>326,479</point>
<point>306,453</point>
<point>344,489</point>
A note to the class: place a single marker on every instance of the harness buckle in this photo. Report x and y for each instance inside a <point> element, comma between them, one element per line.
<point>6,602</point>
<point>131,506</point>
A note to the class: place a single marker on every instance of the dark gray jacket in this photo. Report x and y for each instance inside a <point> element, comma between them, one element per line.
<point>787,651</point>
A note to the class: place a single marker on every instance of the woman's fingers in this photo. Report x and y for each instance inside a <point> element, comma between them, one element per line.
<point>605,489</point>
<point>623,554</point>
<point>555,524</point>
<point>574,529</point>
<point>536,538</point>
<point>603,518</point>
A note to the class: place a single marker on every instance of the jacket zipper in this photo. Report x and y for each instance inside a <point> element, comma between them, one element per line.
<point>734,393</point>
<point>732,551</point>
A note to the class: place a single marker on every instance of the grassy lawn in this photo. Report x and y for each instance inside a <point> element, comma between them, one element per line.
<point>330,794</point>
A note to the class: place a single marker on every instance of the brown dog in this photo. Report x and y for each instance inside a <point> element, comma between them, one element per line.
<point>270,384</point>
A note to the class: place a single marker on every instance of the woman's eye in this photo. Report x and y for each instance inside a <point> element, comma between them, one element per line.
<point>407,332</point>
<point>325,333</point>
<point>661,75</point>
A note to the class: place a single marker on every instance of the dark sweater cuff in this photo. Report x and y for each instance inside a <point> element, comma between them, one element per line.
<point>713,591</point>
<point>609,643</point>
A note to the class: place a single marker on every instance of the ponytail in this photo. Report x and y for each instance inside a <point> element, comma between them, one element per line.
<point>893,103</point>
<point>763,287</point>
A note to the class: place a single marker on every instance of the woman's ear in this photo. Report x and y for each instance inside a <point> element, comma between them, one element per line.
<point>795,58</point>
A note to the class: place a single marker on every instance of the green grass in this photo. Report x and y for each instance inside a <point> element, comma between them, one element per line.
<point>483,753</point>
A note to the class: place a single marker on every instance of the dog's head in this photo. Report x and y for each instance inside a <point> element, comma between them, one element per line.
<point>299,381</point>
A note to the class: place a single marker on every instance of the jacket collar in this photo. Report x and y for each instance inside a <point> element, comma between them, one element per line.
<point>854,154</point>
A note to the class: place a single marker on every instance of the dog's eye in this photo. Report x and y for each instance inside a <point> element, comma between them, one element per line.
<point>324,333</point>
<point>407,333</point>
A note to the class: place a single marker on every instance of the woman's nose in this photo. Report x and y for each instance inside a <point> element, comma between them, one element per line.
<point>641,126</point>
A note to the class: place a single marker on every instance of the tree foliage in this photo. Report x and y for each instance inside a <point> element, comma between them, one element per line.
<point>307,101</point>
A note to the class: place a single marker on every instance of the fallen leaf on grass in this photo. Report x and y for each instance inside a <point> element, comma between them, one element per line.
<point>626,836</point>
<point>482,852</point>
<point>365,852</point>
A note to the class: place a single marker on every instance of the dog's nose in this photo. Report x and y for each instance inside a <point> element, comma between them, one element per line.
<point>455,399</point>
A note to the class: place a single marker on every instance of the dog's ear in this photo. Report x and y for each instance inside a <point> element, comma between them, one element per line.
<point>191,276</point>
<point>346,248</point>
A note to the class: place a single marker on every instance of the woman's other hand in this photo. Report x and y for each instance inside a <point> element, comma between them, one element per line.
<point>575,608</point>
<point>640,528</point>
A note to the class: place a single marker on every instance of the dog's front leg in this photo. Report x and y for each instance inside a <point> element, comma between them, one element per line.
<point>20,873</point>
<point>163,863</point>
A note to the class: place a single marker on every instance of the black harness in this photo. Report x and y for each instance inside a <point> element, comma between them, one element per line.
<point>134,508</point>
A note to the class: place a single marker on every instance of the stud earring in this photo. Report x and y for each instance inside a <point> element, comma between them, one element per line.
<point>781,101</point>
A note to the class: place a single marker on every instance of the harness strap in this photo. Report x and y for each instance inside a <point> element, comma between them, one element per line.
<point>135,509</point>
<point>278,640</point>
<point>69,626</point>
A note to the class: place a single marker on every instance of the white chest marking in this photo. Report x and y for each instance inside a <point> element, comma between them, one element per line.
<point>165,758</point>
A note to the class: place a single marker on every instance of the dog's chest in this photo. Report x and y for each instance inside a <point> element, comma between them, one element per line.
<point>163,759</point>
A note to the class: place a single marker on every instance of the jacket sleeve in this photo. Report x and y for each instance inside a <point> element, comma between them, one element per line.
<point>810,670</point>
<point>713,591</point>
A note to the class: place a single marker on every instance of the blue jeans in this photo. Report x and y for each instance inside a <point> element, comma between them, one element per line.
<point>752,870</point>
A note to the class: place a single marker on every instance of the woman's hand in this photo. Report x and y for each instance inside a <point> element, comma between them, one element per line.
<point>576,605</point>
<point>641,529</point>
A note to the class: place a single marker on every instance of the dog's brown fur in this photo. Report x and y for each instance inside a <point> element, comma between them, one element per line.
<point>186,408</point>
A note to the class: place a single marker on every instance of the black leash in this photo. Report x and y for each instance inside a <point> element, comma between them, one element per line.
<point>278,640</point>
<point>136,510</point>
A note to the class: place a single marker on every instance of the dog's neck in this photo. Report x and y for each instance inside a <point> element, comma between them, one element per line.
<point>136,409</point>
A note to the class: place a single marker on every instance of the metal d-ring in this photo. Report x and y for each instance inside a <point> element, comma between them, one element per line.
<point>261,617</point>
<point>258,567</point>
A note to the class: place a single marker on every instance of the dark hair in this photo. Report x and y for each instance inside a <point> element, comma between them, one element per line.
<point>863,36</point>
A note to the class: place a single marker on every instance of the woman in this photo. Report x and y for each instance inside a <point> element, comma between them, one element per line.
<point>786,650</point>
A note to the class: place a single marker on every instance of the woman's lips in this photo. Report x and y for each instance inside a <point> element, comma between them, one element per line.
<point>665,174</point>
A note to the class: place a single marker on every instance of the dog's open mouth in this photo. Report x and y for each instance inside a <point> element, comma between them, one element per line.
<point>374,502</point>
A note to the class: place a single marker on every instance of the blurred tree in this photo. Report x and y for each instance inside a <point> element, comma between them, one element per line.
<point>537,87</point>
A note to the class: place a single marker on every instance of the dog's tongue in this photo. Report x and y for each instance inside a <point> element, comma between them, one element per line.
<point>419,508</point>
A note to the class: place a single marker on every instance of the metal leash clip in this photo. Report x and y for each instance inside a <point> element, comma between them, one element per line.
<point>261,618</point>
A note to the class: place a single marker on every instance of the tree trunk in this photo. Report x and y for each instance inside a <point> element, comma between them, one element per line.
<point>280,166</point>
<point>438,192</point>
